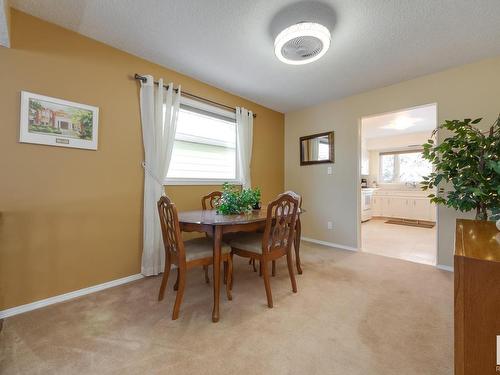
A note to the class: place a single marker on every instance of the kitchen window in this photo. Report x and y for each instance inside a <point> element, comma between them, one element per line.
<point>403,167</point>
<point>204,150</point>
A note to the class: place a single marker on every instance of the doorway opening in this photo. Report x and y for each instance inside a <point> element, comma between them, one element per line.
<point>397,218</point>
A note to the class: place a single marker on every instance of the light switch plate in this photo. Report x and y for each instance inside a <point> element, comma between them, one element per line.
<point>329,170</point>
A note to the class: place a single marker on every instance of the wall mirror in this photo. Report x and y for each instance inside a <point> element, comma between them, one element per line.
<point>316,149</point>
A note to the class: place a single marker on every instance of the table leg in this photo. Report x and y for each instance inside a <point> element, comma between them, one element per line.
<point>217,236</point>
<point>296,245</point>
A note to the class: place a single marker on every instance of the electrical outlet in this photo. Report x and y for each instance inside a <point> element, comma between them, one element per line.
<point>329,170</point>
<point>329,225</point>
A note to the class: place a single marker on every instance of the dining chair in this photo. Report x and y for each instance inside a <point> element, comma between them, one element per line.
<point>296,241</point>
<point>274,243</point>
<point>209,202</point>
<point>298,230</point>
<point>185,254</point>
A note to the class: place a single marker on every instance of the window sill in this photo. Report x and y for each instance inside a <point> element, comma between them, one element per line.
<point>197,181</point>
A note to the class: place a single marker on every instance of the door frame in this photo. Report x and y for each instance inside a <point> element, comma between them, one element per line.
<point>358,174</point>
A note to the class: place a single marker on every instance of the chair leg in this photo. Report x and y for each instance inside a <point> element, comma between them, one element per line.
<point>260,268</point>
<point>296,246</point>
<point>232,276</point>
<point>267,284</point>
<point>176,285</point>
<point>225,273</point>
<point>207,279</point>
<point>164,279</point>
<point>273,272</point>
<point>229,277</point>
<point>252,260</point>
<point>180,293</point>
<point>289,262</point>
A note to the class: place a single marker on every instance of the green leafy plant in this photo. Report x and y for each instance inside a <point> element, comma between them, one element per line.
<point>469,161</point>
<point>85,118</point>
<point>236,201</point>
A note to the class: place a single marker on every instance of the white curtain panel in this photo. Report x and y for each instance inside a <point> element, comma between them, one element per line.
<point>159,112</point>
<point>244,131</point>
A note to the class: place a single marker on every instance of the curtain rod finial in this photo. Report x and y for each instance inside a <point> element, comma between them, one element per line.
<point>140,78</point>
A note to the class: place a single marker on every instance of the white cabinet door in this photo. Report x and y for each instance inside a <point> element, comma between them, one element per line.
<point>398,207</point>
<point>376,206</point>
<point>410,209</point>
<point>386,206</point>
<point>422,208</point>
<point>406,208</point>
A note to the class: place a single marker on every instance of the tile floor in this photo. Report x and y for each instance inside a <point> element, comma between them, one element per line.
<point>399,241</point>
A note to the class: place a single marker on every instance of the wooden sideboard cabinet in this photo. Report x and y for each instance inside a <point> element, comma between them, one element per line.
<point>477,297</point>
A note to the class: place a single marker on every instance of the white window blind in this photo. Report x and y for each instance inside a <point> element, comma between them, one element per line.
<point>323,150</point>
<point>205,146</point>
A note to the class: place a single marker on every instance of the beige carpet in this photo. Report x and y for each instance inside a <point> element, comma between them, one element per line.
<point>354,313</point>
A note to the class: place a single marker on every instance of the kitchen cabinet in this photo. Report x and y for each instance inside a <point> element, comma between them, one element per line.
<point>421,208</point>
<point>376,205</point>
<point>398,206</point>
<point>403,205</point>
<point>386,205</point>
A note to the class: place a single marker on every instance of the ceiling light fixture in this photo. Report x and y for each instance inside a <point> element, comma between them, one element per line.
<point>402,123</point>
<point>302,43</point>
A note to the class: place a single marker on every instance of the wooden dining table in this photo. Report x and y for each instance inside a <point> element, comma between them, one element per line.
<point>216,225</point>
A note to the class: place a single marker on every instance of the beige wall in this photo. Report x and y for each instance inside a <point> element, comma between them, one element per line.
<point>71,218</point>
<point>467,91</point>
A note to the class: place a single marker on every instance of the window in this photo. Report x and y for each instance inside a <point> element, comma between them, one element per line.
<point>205,145</point>
<point>323,149</point>
<point>404,166</point>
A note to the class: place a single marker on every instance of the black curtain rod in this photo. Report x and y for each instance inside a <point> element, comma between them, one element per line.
<point>192,96</point>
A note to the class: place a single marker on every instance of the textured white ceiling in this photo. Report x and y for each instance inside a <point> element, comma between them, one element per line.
<point>229,43</point>
<point>418,119</point>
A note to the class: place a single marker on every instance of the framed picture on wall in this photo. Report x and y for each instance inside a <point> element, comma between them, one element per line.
<point>57,122</point>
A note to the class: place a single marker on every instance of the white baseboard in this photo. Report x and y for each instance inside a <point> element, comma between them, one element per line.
<point>67,296</point>
<point>444,268</point>
<point>329,244</point>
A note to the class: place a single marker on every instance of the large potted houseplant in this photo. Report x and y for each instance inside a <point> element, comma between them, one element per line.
<point>468,160</point>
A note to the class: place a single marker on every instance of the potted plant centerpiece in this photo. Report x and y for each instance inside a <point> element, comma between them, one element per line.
<point>236,201</point>
<point>469,160</point>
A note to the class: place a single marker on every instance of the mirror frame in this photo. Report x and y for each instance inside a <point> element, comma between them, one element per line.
<point>331,158</point>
